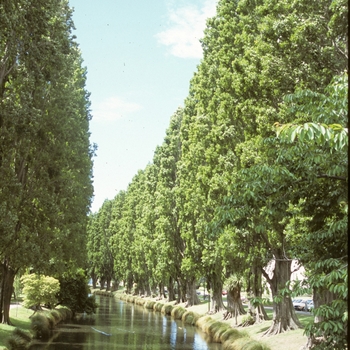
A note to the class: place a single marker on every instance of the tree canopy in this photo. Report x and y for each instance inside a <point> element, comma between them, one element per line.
<point>252,174</point>
<point>45,153</point>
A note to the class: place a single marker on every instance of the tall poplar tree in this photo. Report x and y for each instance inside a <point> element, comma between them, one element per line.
<point>168,242</point>
<point>45,154</point>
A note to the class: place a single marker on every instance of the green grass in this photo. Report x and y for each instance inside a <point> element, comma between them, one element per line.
<point>19,316</point>
<point>291,340</point>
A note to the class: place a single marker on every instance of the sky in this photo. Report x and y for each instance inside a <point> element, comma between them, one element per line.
<point>140,57</point>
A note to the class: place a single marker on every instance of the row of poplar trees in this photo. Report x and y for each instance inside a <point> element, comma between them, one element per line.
<point>45,152</point>
<point>252,173</point>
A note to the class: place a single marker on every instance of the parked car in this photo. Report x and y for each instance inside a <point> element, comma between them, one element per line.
<point>224,292</point>
<point>295,301</point>
<point>310,306</point>
<point>298,304</point>
<point>301,304</point>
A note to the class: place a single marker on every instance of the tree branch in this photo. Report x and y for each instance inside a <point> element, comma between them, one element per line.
<point>265,274</point>
<point>342,178</point>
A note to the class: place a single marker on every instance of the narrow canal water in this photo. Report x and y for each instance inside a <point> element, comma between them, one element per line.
<point>120,325</point>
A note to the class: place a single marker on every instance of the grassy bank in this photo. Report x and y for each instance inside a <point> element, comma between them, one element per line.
<point>19,317</point>
<point>214,324</point>
<point>24,329</point>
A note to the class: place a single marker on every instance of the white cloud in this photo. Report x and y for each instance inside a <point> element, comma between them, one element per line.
<point>187,24</point>
<point>113,108</point>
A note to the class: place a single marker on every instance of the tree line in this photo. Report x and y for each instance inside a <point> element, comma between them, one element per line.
<point>252,171</point>
<point>45,152</point>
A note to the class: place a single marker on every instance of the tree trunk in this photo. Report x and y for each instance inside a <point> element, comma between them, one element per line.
<point>217,304</point>
<point>181,291</point>
<point>258,312</point>
<point>147,289</point>
<point>234,303</point>
<point>115,285</point>
<point>108,284</point>
<point>102,283</point>
<point>94,281</point>
<point>284,316</point>
<point>129,285</point>
<point>191,296</point>
<point>6,289</point>
<point>171,291</point>
<point>321,296</point>
<point>161,291</point>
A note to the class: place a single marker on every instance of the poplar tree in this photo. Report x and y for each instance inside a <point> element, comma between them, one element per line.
<point>45,154</point>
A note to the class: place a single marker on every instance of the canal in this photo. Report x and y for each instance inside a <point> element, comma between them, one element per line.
<point>121,325</point>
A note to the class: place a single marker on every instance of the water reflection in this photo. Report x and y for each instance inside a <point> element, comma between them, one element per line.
<point>120,325</point>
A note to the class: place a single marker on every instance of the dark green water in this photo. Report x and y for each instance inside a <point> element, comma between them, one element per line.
<point>120,325</point>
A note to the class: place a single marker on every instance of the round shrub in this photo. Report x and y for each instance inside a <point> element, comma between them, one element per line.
<point>177,312</point>
<point>158,306</point>
<point>19,340</point>
<point>219,331</point>
<point>247,320</point>
<point>166,309</point>
<point>231,334</point>
<point>190,317</point>
<point>40,326</point>
<point>23,334</point>
<point>56,316</point>
<point>15,342</point>
<point>149,304</point>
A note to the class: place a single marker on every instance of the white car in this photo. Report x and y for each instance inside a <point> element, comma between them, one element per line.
<point>298,304</point>
<point>301,304</point>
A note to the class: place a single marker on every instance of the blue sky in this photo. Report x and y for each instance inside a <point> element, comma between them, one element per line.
<point>140,57</point>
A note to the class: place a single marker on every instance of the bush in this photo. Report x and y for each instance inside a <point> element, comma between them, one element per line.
<point>40,326</point>
<point>177,312</point>
<point>19,340</point>
<point>74,293</point>
<point>150,304</point>
<point>158,306</point>
<point>166,309</point>
<point>39,290</point>
<point>190,317</point>
<point>247,320</point>
<point>219,331</point>
<point>231,334</point>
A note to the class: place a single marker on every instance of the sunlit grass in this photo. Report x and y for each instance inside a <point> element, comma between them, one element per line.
<point>19,316</point>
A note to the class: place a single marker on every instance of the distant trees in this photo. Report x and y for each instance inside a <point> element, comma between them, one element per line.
<point>45,154</point>
<point>253,170</point>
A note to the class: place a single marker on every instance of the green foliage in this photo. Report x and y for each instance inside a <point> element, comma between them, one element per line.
<point>177,312</point>
<point>223,194</point>
<point>19,340</point>
<point>45,152</point>
<point>74,293</point>
<point>190,317</point>
<point>39,290</point>
<point>101,260</point>
<point>327,110</point>
<point>167,308</point>
<point>40,326</point>
<point>325,234</point>
<point>333,316</point>
<point>232,282</point>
